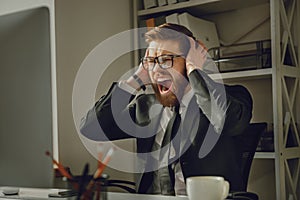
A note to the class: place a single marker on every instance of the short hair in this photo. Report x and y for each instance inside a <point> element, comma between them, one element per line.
<point>178,28</point>
<point>169,31</point>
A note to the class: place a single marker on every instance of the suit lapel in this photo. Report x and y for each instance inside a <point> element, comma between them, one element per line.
<point>144,145</point>
<point>149,122</point>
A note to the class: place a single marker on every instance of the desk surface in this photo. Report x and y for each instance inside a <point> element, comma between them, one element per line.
<point>37,193</point>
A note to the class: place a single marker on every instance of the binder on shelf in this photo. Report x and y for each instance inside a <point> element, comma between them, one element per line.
<point>173,18</point>
<point>172,1</point>
<point>175,1</point>
<point>162,2</point>
<point>203,30</point>
<point>150,4</point>
<point>150,23</point>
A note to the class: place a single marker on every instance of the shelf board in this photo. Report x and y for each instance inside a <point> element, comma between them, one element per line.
<point>203,6</point>
<point>264,155</point>
<point>176,6</point>
<point>256,73</point>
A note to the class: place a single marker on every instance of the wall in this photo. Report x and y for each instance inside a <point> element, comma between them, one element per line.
<point>80,26</point>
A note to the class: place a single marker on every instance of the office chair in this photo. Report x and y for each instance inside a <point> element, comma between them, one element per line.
<point>128,186</point>
<point>248,142</point>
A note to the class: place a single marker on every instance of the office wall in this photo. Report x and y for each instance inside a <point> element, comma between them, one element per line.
<point>80,26</point>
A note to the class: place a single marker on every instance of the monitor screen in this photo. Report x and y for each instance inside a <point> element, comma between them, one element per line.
<point>26,105</point>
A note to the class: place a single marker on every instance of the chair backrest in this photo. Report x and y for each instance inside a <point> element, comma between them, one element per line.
<point>128,186</point>
<point>248,143</point>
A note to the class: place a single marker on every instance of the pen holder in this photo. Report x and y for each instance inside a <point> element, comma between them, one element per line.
<point>88,188</point>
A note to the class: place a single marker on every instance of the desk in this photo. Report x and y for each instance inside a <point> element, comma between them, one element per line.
<point>38,193</point>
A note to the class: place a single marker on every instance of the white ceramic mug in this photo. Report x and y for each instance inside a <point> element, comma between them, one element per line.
<point>207,188</point>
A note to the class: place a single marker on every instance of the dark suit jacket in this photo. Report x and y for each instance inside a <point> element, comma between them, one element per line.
<point>215,115</point>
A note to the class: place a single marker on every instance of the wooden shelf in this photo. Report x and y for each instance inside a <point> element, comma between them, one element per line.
<point>264,155</point>
<point>256,73</point>
<point>175,7</point>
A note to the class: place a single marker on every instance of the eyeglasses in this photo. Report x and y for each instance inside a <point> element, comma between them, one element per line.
<point>164,61</point>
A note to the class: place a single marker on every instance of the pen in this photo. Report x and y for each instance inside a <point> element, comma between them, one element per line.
<point>102,165</point>
<point>61,168</point>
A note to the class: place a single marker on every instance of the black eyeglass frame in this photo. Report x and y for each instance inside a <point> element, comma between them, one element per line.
<point>156,60</point>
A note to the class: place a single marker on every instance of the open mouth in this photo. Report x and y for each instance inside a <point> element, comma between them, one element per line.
<point>164,85</point>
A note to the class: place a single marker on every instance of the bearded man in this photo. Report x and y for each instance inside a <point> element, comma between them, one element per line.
<point>186,127</point>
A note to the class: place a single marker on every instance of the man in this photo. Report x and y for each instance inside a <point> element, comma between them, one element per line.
<point>206,115</point>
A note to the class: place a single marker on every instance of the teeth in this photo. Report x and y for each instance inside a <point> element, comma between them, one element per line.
<point>163,79</point>
<point>164,83</point>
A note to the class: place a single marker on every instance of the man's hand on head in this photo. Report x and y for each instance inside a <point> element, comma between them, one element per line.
<point>196,56</point>
<point>139,79</point>
<point>142,74</point>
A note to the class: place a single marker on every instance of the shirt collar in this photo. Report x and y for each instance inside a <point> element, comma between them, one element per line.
<point>186,99</point>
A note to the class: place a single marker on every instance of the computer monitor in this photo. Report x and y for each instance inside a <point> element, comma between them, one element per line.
<point>26,105</point>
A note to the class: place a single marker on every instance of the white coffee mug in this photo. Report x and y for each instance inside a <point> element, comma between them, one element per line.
<point>207,188</point>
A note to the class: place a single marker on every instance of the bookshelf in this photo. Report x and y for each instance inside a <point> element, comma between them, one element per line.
<point>276,89</point>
